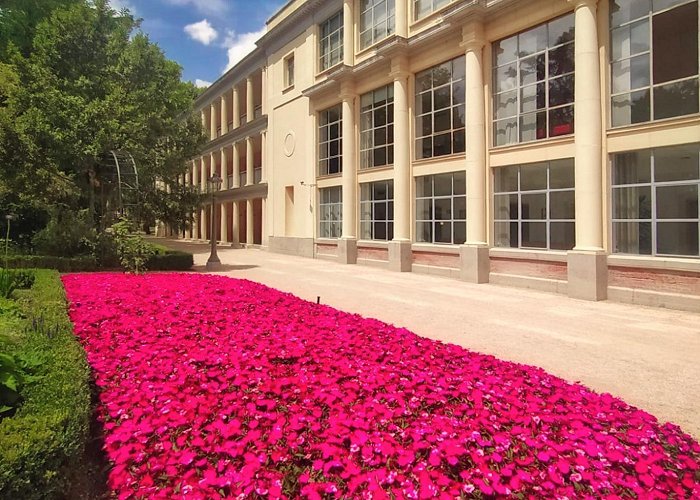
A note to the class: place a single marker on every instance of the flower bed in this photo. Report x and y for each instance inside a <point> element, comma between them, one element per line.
<point>218,387</point>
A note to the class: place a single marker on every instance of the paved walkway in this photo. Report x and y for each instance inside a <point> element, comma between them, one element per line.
<point>649,357</point>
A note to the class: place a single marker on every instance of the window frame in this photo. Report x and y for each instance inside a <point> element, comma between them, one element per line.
<point>453,107</point>
<point>326,58</point>
<point>389,21</point>
<point>368,206</point>
<point>368,135</point>
<point>289,62</point>
<point>324,123</point>
<point>519,193</point>
<point>652,184</point>
<point>519,86</point>
<point>326,201</point>
<point>651,87</point>
<point>433,221</point>
<point>435,5</point>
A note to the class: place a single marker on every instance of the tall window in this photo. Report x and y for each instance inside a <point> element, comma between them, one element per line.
<point>441,208</point>
<point>377,210</point>
<point>330,142</point>
<point>377,18</point>
<point>533,206</point>
<point>422,8</point>
<point>330,212</point>
<point>533,83</point>
<point>377,127</point>
<point>654,59</point>
<point>331,42</point>
<point>440,110</point>
<point>289,71</point>
<point>655,201</point>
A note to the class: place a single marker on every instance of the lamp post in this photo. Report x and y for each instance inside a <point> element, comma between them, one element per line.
<point>214,184</point>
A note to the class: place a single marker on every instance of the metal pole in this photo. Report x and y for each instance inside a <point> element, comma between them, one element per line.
<point>213,264</point>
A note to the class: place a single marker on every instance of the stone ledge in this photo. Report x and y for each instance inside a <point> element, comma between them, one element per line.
<point>447,272</point>
<point>651,298</point>
<point>383,264</point>
<point>542,284</point>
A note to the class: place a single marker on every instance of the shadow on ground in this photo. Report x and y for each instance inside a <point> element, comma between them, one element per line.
<point>225,267</point>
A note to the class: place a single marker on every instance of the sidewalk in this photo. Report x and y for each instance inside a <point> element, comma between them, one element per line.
<point>649,357</point>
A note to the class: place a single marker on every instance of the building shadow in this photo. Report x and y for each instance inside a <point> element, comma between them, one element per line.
<point>226,267</point>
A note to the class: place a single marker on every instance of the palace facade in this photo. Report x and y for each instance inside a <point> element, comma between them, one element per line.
<point>549,144</point>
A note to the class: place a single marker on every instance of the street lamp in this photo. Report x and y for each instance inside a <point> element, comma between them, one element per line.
<point>214,184</point>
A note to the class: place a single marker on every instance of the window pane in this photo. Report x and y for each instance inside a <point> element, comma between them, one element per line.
<point>506,78</point>
<point>441,98</point>
<point>533,97</point>
<point>676,99</point>
<point>505,207</point>
<point>459,182</point>
<point>532,69</point>
<point>534,40</point>
<point>675,42</point>
<point>424,209</point>
<point>562,235</point>
<point>533,126</point>
<point>630,74</point>
<point>506,104</point>
<point>632,237</point>
<point>561,174</point>
<point>424,148</point>
<point>424,232</point>
<point>561,30</point>
<point>443,209</point>
<point>561,121</point>
<point>441,74</point>
<point>632,203</point>
<point>561,60</point>
<point>506,50</point>
<point>624,11</point>
<point>677,238</point>
<point>460,233</point>
<point>533,177</point>
<point>442,144</point>
<point>443,120</point>
<point>460,208</point>
<point>632,168</point>
<point>424,186</point>
<point>506,132</point>
<point>678,163</point>
<point>533,206</point>
<point>443,232</point>
<point>631,108</point>
<point>561,90</point>
<point>677,202</point>
<point>443,184</point>
<point>458,117</point>
<point>534,234</point>
<point>658,5</point>
<point>561,205</point>
<point>630,40</point>
<point>366,230</point>
<point>505,179</point>
<point>506,234</point>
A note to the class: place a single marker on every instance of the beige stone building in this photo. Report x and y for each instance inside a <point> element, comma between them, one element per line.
<point>550,144</point>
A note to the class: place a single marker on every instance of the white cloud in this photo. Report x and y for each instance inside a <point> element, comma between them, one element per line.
<point>118,5</point>
<point>202,32</point>
<point>202,84</point>
<point>203,6</point>
<point>239,46</point>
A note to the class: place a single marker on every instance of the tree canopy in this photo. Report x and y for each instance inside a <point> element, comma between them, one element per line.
<point>77,80</point>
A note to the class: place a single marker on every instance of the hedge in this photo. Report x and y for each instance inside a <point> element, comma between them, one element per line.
<point>42,446</point>
<point>61,264</point>
<point>169,260</point>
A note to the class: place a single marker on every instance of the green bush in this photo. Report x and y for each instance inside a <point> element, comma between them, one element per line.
<point>132,249</point>
<point>68,233</point>
<point>61,264</point>
<point>42,446</point>
<point>169,260</point>
<point>13,279</point>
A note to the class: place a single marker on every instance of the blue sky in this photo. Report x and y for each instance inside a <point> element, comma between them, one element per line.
<point>205,36</point>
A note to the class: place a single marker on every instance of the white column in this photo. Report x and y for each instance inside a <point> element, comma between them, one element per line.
<point>347,245</point>
<point>212,164</point>
<point>263,166</point>
<point>400,257</point>
<point>236,108</point>
<point>348,33</point>
<point>224,113</point>
<point>203,174</point>
<point>249,173</point>
<point>587,263</point>
<point>223,218</point>
<point>235,227</point>
<point>249,223</point>
<point>401,18</point>
<point>264,91</point>
<point>212,122</point>
<point>250,104</point>
<point>188,176</point>
<point>224,169</point>
<point>263,208</point>
<point>236,167</point>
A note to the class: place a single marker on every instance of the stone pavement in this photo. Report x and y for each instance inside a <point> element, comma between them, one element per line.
<point>649,357</point>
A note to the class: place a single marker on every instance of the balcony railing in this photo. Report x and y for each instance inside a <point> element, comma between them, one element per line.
<point>257,175</point>
<point>230,182</point>
<point>230,125</point>
<point>243,119</point>
<point>258,112</point>
<point>242,178</point>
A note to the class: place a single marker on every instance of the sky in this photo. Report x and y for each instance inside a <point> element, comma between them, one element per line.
<point>206,37</point>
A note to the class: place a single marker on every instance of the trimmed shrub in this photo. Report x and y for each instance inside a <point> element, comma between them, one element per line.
<point>60,264</point>
<point>169,260</point>
<point>42,446</point>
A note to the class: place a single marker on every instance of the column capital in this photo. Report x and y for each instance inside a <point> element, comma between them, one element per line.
<point>473,38</point>
<point>583,3</point>
<point>347,90</point>
<point>399,67</point>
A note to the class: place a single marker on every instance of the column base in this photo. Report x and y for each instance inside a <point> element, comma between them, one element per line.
<point>474,263</point>
<point>400,256</point>
<point>347,251</point>
<point>213,265</point>
<point>587,274</point>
